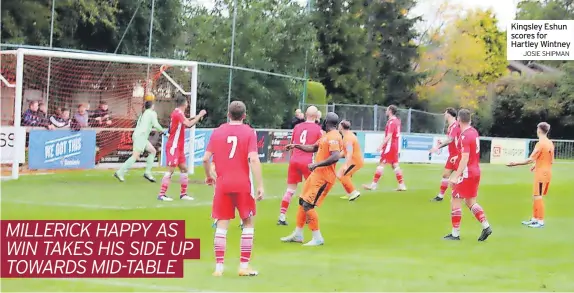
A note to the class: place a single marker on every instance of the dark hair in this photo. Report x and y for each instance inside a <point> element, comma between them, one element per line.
<point>393,109</point>
<point>62,110</point>
<point>464,115</point>
<point>544,127</point>
<point>346,124</point>
<point>148,104</point>
<point>33,102</point>
<point>451,111</point>
<point>180,100</point>
<point>237,110</point>
<point>103,103</point>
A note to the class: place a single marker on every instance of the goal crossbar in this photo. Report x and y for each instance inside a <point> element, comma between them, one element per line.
<point>106,57</point>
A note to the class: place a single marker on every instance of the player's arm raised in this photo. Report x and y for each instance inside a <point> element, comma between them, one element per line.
<point>255,165</point>
<point>193,120</point>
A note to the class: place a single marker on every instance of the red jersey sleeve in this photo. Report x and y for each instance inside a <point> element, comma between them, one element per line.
<point>466,144</point>
<point>211,144</point>
<point>252,147</point>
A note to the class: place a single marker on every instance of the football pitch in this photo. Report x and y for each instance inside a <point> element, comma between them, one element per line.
<point>385,241</point>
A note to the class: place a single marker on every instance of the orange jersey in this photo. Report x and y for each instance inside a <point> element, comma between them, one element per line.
<point>350,141</point>
<point>543,156</point>
<point>329,142</point>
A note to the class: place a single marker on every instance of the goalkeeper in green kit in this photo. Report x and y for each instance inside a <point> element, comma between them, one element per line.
<point>141,143</point>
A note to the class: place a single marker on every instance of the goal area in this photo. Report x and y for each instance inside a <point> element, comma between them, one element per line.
<point>49,97</point>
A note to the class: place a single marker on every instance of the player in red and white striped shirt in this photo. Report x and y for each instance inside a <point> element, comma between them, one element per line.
<point>452,142</point>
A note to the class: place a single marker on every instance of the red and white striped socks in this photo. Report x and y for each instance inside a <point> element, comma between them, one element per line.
<point>246,247</point>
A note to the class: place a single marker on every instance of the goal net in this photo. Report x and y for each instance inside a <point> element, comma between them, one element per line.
<point>109,89</point>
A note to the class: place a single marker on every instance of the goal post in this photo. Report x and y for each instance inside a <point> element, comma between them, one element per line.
<point>97,84</point>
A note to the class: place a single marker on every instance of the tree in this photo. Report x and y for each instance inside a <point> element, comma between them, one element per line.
<point>546,10</point>
<point>94,25</point>
<point>395,51</point>
<point>465,57</point>
<point>271,35</point>
<point>342,50</point>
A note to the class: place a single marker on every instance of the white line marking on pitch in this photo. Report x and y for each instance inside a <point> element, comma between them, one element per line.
<point>109,207</point>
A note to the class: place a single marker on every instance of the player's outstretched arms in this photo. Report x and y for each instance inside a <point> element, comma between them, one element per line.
<point>332,159</point>
<point>255,165</point>
<point>194,120</point>
<point>310,148</point>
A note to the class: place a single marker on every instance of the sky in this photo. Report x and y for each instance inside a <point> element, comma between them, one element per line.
<point>504,9</point>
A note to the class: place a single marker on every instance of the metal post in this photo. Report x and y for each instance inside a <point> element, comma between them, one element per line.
<point>375,117</point>
<point>409,117</point>
<point>18,112</point>
<point>193,110</point>
<point>150,34</point>
<point>306,74</point>
<point>50,58</point>
<point>232,53</point>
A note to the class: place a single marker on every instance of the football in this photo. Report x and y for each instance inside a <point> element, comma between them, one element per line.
<point>149,97</point>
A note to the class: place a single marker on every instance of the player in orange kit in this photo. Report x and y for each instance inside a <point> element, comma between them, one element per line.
<point>542,157</point>
<point>321,180</point>
<point>354,160</point>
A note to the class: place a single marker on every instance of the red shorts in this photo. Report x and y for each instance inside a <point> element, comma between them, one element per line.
<point>391,157</point>
<point>225,204</point>
<point>466,188</point>
<point>297,171</point>
<point>175,159</point>
<point>451,165</point>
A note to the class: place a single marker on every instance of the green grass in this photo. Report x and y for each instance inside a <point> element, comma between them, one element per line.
<point>385,241</point>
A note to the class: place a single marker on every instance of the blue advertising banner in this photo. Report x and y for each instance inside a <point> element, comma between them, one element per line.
<point>415,148</point>
<point>201,139</point>
<point>62,149</point>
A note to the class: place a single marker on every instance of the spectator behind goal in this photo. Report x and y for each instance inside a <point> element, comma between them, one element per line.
<point>81,118</point>
<point>61,119</point>
<point>33,117</point>
<point>101,116</point>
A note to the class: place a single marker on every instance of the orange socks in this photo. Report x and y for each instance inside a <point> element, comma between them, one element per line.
<point>301,217</point>
<point>347,184</point>
<point>538,209</point>
<point>313,220</point>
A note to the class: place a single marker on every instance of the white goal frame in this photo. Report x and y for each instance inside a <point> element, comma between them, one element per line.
<point>20,53</point>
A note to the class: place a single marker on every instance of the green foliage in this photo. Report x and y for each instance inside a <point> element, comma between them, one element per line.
<point>522,102</point>
<point>316,93</point>
<point>342,51</point>
<point>271,35</point>
<point>468,55</point>
<point>546,10</point>
<point>393,46</point>
<point>93,25</point>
